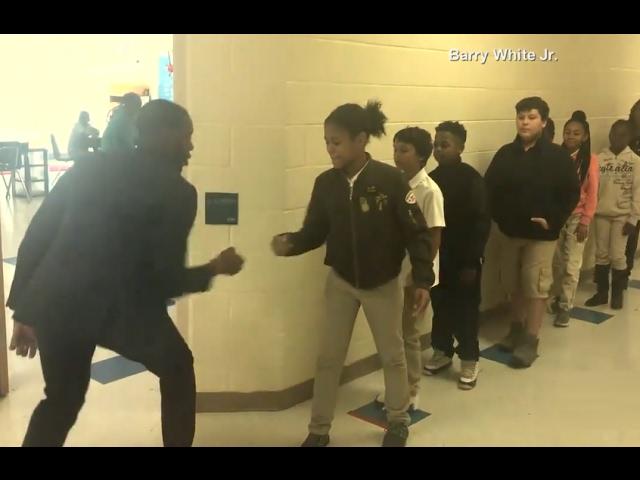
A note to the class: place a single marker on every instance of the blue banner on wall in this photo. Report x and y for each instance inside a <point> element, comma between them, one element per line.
<point>165,78</point>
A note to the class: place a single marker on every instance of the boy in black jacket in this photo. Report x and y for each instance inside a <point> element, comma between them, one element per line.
<point>456,298</point>
<point>533,187</point>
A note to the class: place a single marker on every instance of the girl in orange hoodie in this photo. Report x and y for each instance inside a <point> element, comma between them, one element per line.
<point>567,260</point>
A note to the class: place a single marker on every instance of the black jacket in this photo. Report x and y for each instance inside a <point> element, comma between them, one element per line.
<point>367,232</point>
<point>466,216</point>
<point>541,182</point>
<point>109,242</point>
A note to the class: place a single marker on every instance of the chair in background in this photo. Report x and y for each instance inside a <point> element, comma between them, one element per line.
<point>9,161</point>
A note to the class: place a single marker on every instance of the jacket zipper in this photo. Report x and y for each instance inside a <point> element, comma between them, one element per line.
<point>353,237</point>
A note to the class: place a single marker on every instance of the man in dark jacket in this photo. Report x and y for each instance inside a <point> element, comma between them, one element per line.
<point>99,261</point>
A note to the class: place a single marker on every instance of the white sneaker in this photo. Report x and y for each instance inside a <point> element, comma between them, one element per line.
<point>468,375</point>
<point>413,401</point>
<point>438,361</point>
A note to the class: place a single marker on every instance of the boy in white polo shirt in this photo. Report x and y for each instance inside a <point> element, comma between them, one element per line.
<point>412,147</point>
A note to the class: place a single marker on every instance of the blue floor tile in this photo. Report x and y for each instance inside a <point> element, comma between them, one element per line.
<point>375,414</point>
<point>590,316</point>
<point>113,369</point>
<point>495,354</point>
<point>634,283</point>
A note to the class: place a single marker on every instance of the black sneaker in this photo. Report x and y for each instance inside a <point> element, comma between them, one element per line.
<point>562,319</point>
<point>315,440</point>
<point>396,435</point>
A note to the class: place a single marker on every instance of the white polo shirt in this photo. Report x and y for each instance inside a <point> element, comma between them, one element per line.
<point>431,202</point>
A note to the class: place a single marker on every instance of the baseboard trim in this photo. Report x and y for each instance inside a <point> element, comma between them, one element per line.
<point>270,401</point>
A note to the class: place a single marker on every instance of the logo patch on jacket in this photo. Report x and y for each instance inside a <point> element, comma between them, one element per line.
<point>411,198</point>
<point>381,201</point>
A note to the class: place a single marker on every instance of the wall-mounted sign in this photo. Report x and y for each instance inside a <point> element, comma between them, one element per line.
<point>221,208</point>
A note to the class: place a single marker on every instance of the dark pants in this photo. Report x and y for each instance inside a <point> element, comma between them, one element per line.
<point>632,246</point>
<point>455,314</point>
<point>66,367</point>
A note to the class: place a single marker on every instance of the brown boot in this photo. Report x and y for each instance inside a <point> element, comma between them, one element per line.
<point>513,339</point>
<point>526,353</point>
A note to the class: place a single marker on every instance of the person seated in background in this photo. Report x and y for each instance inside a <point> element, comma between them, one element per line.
<point>120,134</point>
<point>83,136</point>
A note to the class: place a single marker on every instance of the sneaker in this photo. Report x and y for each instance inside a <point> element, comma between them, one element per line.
<point>315,440</point>
<point>413,401</point>
<point>438,362</point>
<point>468,375</point>
<point>553,307</point>
<point>396,435</point>
<point>562,319</point>
<point>513,338</point>
<point>526,353</point>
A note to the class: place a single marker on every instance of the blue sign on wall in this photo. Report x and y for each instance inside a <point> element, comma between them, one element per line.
<point>221,208</point>
<point>165,78</point>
